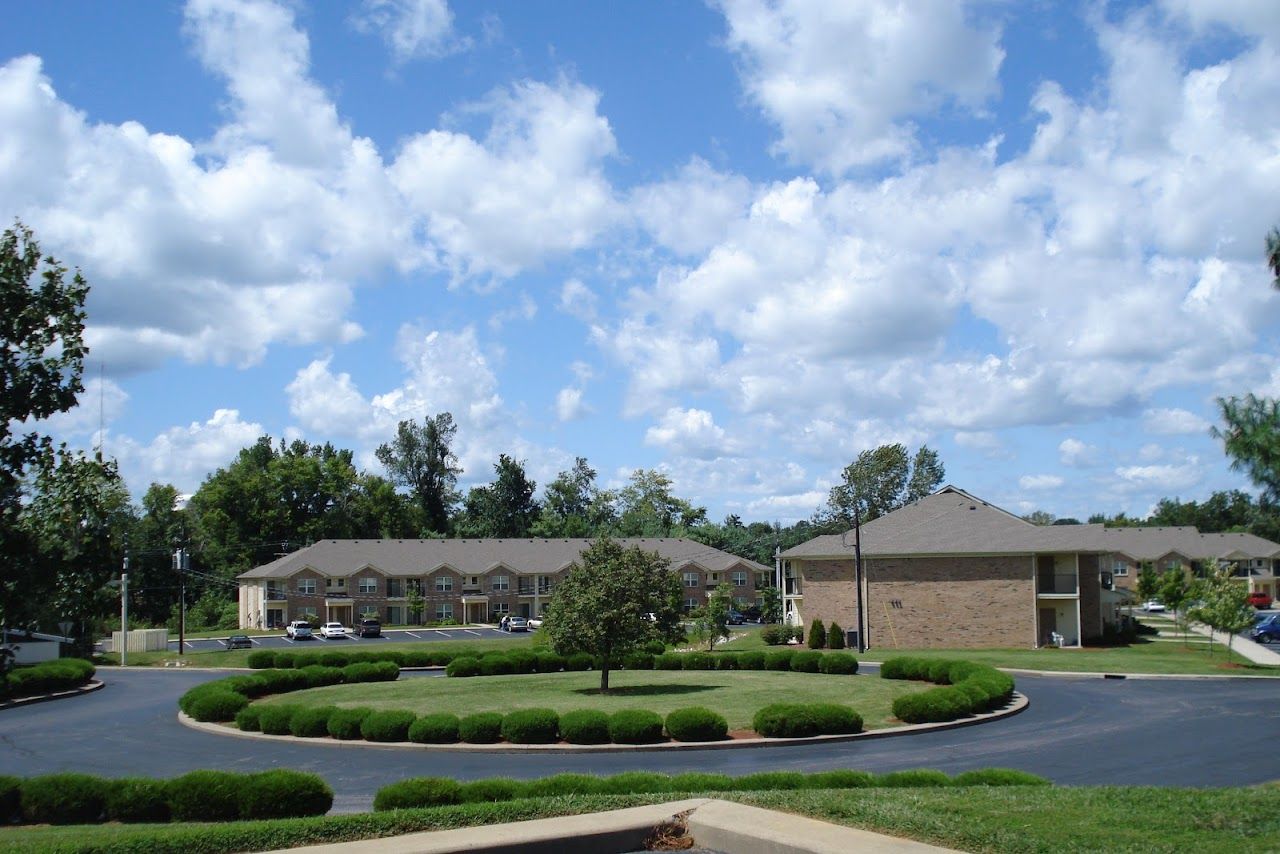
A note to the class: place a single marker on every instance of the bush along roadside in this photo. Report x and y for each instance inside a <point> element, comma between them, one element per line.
<point>442,791</point>
<point>965,688</point>
<point>197,796</point>
<point>46,677</point>
<point>225,699</point>
<point>498,662</point>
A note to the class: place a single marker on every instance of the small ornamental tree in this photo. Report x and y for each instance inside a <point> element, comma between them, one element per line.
<point>770,605</point>
<point>817,635</point>
<point>835,636</point>
<point>1176,590</point>
<point>711,622</point>
<point>603,605</point>
<point>1226,605</point>
<point>1148,583</point>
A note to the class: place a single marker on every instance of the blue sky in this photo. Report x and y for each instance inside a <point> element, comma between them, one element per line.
<point>736,241</point>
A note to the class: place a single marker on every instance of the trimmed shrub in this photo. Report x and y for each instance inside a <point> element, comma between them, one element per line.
<point>771,781</point>
<point>205,796</point>
<point>261,659</point>
<point>284,793</point>
<point>321,676</point>
<point>284,659</point>
<point>696,723</point>
<point>275,719</point>
<point>727,661</point>
<point>700,781</point>
<point>531,726</point>
<point>217,706</point>
<point>841,779</point>
<point>998,777</point>
<point>435,728</point>
<point>522,661</point>
<point>311,721</point>
<point>280,681</point>
<point>344,724</point>
<point>247,719</point>
<point>835,719</point>
<point>490,790</point>
<point>464,666</point>
<point>334,659</point>
<point>549,662</point>
<point>579,661</point>
<point>835,636</point>
<point>939,672</point>
<point>698,661</point>
<point>392,725</point>
<point>63,799</point>
<point>480,728</point>
<point>932,706</point>
<point>417,658</point>
<point>806,662</point>
<point>637,661</point>
<point>417,792</point>
<point>797,634</point>
<point>918,778</point>
<point>371,671</point>
<point>838,664</point>
<point>669,661</point>
<point>137,799</point>
<point>563,784</point>
<point>655,647</point>
<point>47,677</point>
<point>817,635</point>
<point>10,800</point>
<point>780,660</point>
<point>635,782</point>
<point>585,726</point>
<point>785,720</point>
<point>775,635</point>
<point>635,726</point>
<point>751,661</point>
<point>496,665</point>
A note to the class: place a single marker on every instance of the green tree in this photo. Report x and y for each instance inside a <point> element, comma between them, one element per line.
<point>1039,517</point>
<point>161,528</point>
<point>835,636</point>
<point>711,621</point>
<point>573,506</point>
<point>1251,437</point>
<point>927,474</point>
<point>601,605</point>
<point>415,602</point>
<point>1273,256</point>
<point>647,508</point>
<point>1226,605</point>
<point>504,508</point>
<point>817,635</point>
<point>1148,583</point>
<point>771,605</point>
<point>1176,590</point>
<point>880,481</point>
<point>421,459</point>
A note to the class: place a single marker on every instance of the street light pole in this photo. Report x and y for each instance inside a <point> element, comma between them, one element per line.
<point>857,572</point>
<point>124,613</point>
<point>182,563</point>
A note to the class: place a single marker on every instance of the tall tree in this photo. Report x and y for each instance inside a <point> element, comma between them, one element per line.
<point>1273,256</point>
<point>927,474</point>
<point>602,604</point>
<point>161,528</point>
<point>573,506</point>
<point>504,508</point>
<point>647,508</point>
<point>421,459</point>
<point>880,481</point>
<point>1251,438</point>
<point>1226,605</point>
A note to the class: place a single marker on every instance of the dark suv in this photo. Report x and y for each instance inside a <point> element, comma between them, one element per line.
<point>1268,630</point>
<point>369,629</point>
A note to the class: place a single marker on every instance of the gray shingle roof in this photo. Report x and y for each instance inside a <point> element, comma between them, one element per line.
<point>344,558</point>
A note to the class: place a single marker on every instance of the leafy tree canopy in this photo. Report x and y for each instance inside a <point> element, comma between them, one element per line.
<point>504,508</point>
<point>421,459</point>
<point>880,481</point>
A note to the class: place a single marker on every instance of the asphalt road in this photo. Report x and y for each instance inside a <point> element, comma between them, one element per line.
<point>351,641</point>
<point>1209,732</point>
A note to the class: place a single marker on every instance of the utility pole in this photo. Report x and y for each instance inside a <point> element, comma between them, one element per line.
<point>182,563</point>
<point>124,612</point>
<point>857,572</point>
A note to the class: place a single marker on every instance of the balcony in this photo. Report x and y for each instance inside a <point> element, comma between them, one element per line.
<point>525,590</point>
<point>1064,584</point>
<point>274,595</point>
<point>469,590</point>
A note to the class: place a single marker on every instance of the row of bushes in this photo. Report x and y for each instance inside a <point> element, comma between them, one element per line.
<point>47,677</point>
<point>965,688</point>
<point>525,661</point>
<point>430,656</point>
<point>522,726</point>
<point>776,635</point>
<point>802,720</point>
<point>223,699</point>
<point>197,796</point>
<point>442,791</point>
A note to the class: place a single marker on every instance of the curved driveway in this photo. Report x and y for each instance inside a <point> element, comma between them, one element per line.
<point>1077,731</point>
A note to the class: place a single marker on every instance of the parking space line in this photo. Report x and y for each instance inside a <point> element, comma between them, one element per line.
<point>468,631</point>
<point>446,634</point>
<point>412,635</point>
<point>254,640</point>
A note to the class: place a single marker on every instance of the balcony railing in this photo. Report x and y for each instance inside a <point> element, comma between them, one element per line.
<point>529,590</point>
<point>1058,583</point>
<point>274,595</point>
<point>468,590</point>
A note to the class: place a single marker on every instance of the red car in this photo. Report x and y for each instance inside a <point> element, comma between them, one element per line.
<point>1260,600</point>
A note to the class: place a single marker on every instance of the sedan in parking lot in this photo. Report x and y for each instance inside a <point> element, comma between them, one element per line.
<point>333,630</point>
<point>239,642</point>
<point>516,624</point>
<point>1153,606</point>
<point>536,622</point>
<point>1268,630</point>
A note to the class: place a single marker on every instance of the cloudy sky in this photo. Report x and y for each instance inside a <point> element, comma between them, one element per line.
<point>739,241</point>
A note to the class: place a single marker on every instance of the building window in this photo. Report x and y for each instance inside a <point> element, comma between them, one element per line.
<point>444,583</point>
<point>714,579</point>
<point>307,612</point>
<point>690,604</point>
<point>307,585</point>
<point>335,584</point>
<point>395,616</point>
<point>739,579</point>
<point>412,586</point>
<point>444,611</point>
<point>764,579</point>
<point>501,608</point>
<point>395,588</point>
<point>368,612</point>
<point>1173,564</point>
<point>1120,567</point>
<point>500,583</point>
<point>368,585</point>
<point>691,579</point>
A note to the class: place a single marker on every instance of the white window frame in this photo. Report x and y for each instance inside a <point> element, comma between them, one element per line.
<point>691,604</point>
<point>444,583</point>
<point>444,611</point>
<point>368,612</point>
<point>501,608</point>
<point>692,579</point>
<point>500,583</point>
<point>307,612</point>
<point>1120,567</point>
<point>739,578</point>
<point>335,583</point>
<point>368,584</point>
<point>307,586</point>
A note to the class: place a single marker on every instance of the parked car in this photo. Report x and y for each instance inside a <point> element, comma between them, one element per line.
<point>536,622</point>
<point>298,630</point>
<point>239,642</point>
<point>515,624</point>
<point>333,630</point>
<point>369,629</point>
<point>1153,605</point>
<point>1267,631</point>
<point>1260,600</point>
<point>736,619</point>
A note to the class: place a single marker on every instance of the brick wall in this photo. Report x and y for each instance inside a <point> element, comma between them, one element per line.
<point>1090,598</point>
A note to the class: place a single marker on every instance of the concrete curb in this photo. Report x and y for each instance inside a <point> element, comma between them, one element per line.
<point>89,687</point>
<point>1018,704</point>
<point>1102,675</point>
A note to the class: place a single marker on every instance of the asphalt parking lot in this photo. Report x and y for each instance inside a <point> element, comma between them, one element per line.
<point>350,640</point>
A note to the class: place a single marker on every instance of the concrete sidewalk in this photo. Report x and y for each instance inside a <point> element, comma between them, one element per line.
<point>1252,650</point>
<point>719,825</point>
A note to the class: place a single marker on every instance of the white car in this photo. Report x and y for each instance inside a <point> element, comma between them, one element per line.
<point>535,622</point>
<point>1153,605</point>
<point>333,630</point>
<point>298,629</point>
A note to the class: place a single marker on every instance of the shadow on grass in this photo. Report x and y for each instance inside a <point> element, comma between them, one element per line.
<point>646,690</point>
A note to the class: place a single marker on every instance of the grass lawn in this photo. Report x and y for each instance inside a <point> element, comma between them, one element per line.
<point>736,694</point>
<point>240,657</point>
<point>1143,656</point>
<point>1035,819</point>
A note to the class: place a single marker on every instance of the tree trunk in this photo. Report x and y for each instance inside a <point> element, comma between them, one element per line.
<point>604,676</point>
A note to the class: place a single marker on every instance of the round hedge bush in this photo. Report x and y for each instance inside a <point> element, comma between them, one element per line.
<point>480,728</point>
<point>464,666</point>
<point>998,777</point>
<point>387,726</point>
<point>774,635</point>
<point>585,726</point>
<point>63,799</point>
<point>138,799</point>
<point>284,793</point>
<point>417,658</point>
<point>696,723</point>
<point>638,661</point>
<point>531,726</point>
<point>918,778</point>
<point>654,647</point>
<point>260,659</point>
<point>522,660</point>
<point>549,662</point>
<point>247,719</point>
<point>284,659</point>
<point>839,664</point>
<point>778,660</point>
<point>417,792</point>
<point>835,719</point>
<point>217,706</point>
<point>490,790</point>
<point>669,661</point>
<point>727,661</point>
<point>344,724</point>
<point>205,796</point>
<point>751,661</point>
<point>311,721</point>
<point>335,659</point>
<point>635,726</point>
<point>560,785</point>
<point>785,720</point>
<point>435,728</point>
<point>496,665</point>
<point>579,661</point>
<point>275,719</point>
<point>698,661</point>
<point>806,662</point>
<point>323,675</point>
